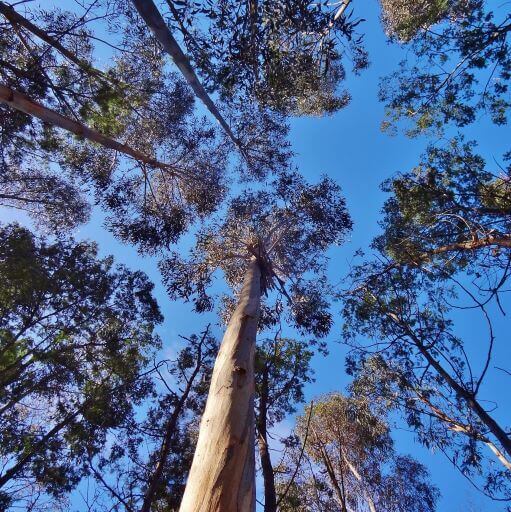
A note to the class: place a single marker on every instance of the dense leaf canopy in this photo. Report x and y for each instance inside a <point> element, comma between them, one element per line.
<point>288,55</point>
<point>134,100</point>
<point>76,333</point>
<point>450,214</point>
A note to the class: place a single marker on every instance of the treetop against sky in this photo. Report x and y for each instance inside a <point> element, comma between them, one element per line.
<point>191,145</point>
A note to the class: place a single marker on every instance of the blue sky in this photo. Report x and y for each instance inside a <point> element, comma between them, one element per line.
<point>350,148</point>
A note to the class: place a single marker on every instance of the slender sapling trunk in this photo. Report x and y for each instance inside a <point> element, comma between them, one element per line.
<point>270,495</point>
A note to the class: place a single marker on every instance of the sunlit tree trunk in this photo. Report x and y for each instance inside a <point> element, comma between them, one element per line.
<point>23,103</point>
<point>222,476</point>
<point>358,476</point>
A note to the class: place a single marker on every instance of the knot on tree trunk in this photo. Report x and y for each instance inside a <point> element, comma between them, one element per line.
<point>241,374</point>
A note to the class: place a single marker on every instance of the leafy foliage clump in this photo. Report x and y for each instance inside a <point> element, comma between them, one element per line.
<point>287,55</point>
<point>286,231</point>
<point>76,333</point>
<point>135,102</point>
<point>404,19</point>
<point>349,463</point>
<point>459,68</point>
<point>450,211</point>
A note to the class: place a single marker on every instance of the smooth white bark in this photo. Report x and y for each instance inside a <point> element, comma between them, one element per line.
<point>222,476</point>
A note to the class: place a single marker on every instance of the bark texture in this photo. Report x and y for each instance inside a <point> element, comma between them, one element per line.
<point>222,476</point>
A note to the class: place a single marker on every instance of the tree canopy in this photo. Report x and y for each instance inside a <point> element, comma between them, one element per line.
<point>444,250</point>
<point>346,461</point>
<point>287,231</point>
<point>164,129</point>
<point>461,65</point>
<point>288,56</point>
<point>76,334</point>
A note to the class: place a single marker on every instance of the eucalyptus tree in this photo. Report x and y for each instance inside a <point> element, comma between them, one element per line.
<point>282,369</point>
<point>274,239</point>
<point>444,252</point>
<point>459,65</point>
<point>174,170</point>
<point>287,56</point>
<point>404,21</point>
<point>452,213</point>
<point>435,377</point>
<point>346,461</point>
<point>76,333</point>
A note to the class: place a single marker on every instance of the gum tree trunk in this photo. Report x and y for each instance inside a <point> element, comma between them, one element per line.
<point>154,20</point>
<point>23,103</point>
<point>222,476</point>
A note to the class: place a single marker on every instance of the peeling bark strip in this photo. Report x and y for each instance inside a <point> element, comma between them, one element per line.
<point>153,19</point>
<point>222,476</point>
<point>23,103</point>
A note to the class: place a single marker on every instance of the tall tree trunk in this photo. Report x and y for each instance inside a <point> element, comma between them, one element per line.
<point>154,20</point>
<point>222,476</point>
<point>358,476</point>
<point>23,103</point>
<point>270,495</point>
<point>338,487</point>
